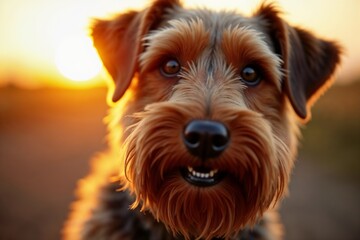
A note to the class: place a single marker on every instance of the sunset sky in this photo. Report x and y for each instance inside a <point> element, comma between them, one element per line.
<point>44,42</point>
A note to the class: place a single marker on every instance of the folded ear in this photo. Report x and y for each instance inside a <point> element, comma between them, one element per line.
<point>119,41</point>
<point>308,61</point>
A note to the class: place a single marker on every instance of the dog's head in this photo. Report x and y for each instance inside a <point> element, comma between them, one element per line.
<point>215,102</point>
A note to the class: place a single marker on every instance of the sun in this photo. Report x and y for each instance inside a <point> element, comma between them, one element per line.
<point>77,59</point>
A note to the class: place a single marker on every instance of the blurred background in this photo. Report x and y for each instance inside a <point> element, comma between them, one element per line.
<point>52,105</point>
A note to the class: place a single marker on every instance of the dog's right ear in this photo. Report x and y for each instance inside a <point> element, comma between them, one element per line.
<point>119,41</point>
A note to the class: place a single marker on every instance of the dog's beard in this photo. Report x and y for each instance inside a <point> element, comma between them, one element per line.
<point>253,169</point>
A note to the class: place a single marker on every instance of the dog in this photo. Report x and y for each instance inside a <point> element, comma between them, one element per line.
<point>204,125</point>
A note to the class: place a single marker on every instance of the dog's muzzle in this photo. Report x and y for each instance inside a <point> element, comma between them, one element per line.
<point>204,139</point>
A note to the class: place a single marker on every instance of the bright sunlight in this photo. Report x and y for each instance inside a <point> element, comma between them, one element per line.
<point>77,59</point>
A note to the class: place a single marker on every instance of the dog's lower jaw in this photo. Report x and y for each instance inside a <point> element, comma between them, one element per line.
<point>190,228</point>
<point>110,218</point>
<point>265,227</point>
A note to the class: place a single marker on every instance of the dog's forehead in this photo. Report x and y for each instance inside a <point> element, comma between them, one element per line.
<point>192,31</point>
<point>216,22</point>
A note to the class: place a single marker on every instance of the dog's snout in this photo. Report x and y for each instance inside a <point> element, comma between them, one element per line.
<point>206,139</point>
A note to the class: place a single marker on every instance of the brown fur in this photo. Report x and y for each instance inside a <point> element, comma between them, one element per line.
<point>146,146</point>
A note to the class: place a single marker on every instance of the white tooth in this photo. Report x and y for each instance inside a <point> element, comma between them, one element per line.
<point>210,174</point>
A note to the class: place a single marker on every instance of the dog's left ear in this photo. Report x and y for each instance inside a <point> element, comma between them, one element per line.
<point>119,41</point>
<point>308,61</point>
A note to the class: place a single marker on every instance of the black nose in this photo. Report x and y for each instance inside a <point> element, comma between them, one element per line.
<point>205,138</point>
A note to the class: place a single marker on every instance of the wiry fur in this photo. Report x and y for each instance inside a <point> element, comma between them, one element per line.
<point>146,146</point>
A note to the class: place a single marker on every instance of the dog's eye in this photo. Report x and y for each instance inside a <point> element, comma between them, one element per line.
<point>170,68</point>
<point>250,76</point>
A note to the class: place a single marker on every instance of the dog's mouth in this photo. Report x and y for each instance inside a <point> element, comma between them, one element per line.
<point>202,176</point>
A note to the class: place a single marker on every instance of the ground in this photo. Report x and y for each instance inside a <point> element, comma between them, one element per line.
<point>47,137</point>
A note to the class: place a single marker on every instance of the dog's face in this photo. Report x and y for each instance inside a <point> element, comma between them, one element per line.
<point>212,120</point>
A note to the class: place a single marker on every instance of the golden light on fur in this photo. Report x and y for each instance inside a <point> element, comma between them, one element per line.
<point>179,191</point>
